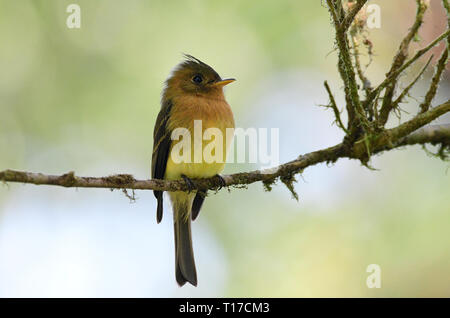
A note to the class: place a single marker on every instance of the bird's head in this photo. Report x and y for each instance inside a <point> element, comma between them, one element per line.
<point>194,77</point>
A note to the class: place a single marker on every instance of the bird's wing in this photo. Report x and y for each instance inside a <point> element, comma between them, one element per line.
<point>161,148</point>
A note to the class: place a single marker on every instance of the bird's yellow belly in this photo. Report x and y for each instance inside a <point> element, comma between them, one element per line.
<point>200,164</point>
<point>192,170</point>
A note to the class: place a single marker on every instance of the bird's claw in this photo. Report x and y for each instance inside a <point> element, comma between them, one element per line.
<point>222,181</point>
<point>190,184</point>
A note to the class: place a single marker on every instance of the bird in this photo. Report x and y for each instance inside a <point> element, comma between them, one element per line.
<point>193,92</point>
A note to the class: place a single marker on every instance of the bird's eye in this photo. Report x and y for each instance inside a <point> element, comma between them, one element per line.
<point>197,79</point>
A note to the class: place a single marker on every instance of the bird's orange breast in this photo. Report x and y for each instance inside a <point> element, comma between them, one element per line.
<point>213,113</point>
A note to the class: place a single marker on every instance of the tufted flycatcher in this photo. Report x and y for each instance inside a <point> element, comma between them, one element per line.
<point>193,94</point>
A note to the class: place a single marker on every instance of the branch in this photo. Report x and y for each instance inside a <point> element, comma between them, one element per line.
<point>398,61</point>
<point>435,81</point>
<point>436,134</point>
<point>389,139</point>
<point>333,106</point>
<point>419,121</point>
<point>345,66</point>
<point>439,68</point>
<point>364,80</point>
<point>352,14</point>
<point>406,90</point>
<point>127,181</point>
<point>418,54</point>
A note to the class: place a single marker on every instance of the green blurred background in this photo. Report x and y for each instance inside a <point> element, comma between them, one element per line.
<point>86,100</point>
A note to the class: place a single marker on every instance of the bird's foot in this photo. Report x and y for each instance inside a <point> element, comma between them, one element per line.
<point>222,181</point>
<point>190,184</point>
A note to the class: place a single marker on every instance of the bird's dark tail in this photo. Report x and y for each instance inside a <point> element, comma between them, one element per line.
<point>184,255</point>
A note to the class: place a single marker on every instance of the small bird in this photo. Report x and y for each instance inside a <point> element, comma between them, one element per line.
<point>194,91</point>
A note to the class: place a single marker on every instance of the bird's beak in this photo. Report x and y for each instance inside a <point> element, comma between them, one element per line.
<point>224,82</point>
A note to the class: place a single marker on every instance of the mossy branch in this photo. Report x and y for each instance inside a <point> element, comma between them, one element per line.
<point>393,76</point>
<point>394,138</point>
<point>354,10</point>
<point>406,90</point>
<point>440,67</point>
<point>355,111</point>
<point>399,59</point>
<point>333,106</point>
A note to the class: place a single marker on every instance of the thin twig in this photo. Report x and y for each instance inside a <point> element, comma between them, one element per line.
<point>352,14</point>
<point>398,61</point>
<point>418,54</point>
<point>354,106</point>
<point>364,80</point>
<point>333,106</point>
<point>440,67</point>
<point>406,90</point>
